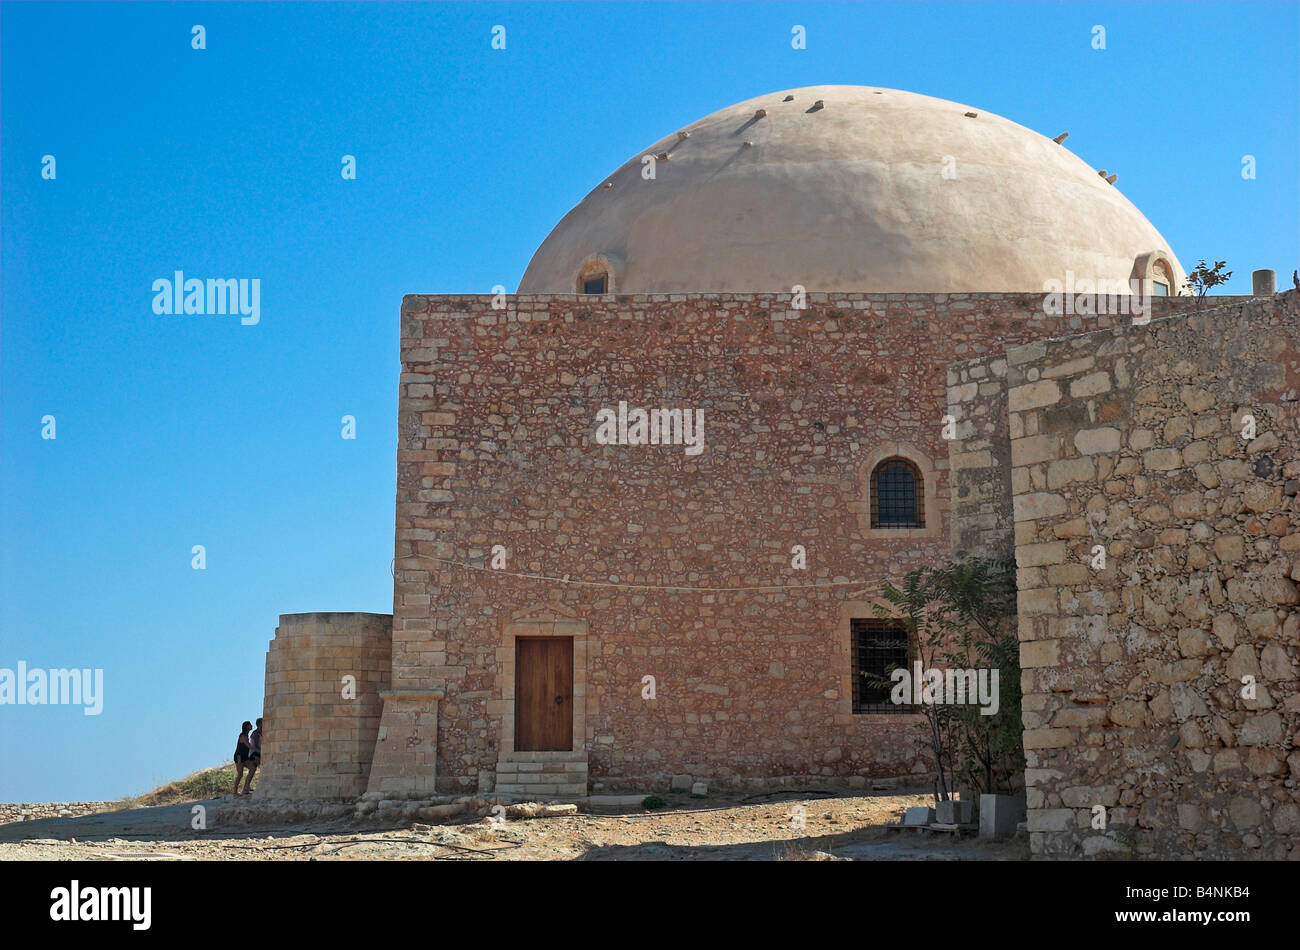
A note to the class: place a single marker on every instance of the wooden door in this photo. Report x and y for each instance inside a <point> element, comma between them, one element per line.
<point>543,694</point>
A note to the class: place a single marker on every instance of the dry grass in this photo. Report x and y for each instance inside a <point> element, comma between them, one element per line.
<point>203,784</point>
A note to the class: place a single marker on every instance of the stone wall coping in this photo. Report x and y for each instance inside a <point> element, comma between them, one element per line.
<point>326,616</point>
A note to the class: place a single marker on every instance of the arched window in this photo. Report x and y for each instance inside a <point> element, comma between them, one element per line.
<point>1161,280</point>
<point>596,275</point>
<point>1155,274</point>
<point>897,495</point>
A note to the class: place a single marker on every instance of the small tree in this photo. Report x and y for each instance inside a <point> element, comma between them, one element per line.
<point>978,601</point>
<point>1200,280</point>
<point>914,604</point>
<point>963,615</point>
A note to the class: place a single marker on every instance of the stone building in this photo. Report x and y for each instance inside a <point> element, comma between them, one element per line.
<point>591,597</point>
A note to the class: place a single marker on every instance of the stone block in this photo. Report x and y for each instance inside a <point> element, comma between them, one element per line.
<point>1068,471</point>
<point>1035,448</point>
<point>1045,392</point>
<point>440,812</point>
<point>1068,575</point>
<point>1162,460</point>
<point>1050,738</point>
<point>919,815</point>
<point>1080,717</point>
<point>1262,730</point>
<point>999,815</point>
<point>1033,602</point>
<point>1037,555</point>
<point>1091,385</point>
<point>955,812</point>
<point>1085,796</point>
<point>1040,653</point>
<point>1245,812</point>
<point>1094,441</point>
<point>1229,549</point>
<point>1038,505</point>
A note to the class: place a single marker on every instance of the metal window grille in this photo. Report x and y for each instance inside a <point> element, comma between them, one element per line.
<point>594,285</point>
<point>897,495</point>
<point>879,647</point>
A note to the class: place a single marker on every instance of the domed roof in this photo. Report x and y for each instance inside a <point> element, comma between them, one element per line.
<point>873,190</point>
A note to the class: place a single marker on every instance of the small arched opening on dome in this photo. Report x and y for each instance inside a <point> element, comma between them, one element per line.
<point>596,275</point>
<point>897,494</point>
<point>1155,270</point>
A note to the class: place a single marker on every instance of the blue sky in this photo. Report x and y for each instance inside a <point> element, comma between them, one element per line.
<point>176,431</point>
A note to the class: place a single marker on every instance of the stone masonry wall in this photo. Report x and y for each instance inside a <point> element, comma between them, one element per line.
<point>317,743</point>
<point>1131,440</point>
<point>979,460</point>
<point>496,423</point>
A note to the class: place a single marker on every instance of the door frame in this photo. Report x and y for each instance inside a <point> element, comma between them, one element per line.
<point>546,621</point>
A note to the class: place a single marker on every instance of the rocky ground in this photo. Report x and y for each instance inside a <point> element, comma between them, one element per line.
<point>836,826</point>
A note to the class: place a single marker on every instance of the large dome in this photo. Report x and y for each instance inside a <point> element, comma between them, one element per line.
<point>873,190</point>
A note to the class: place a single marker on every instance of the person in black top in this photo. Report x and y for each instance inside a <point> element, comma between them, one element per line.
<point>243,749</point>
<point>254,755</point>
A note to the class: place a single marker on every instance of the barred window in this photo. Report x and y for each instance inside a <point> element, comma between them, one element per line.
<point>879,647</point>
<point>594,285</point>
<point>897,495</point>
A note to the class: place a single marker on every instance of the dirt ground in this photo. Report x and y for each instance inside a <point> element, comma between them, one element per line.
<point>850,826</point>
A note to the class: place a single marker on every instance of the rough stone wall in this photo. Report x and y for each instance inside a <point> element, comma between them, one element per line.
<point>496,423</point>
<point>1131,440</point>
<point>316,743</point>
<point>34,811</point>
<point>979,460</point>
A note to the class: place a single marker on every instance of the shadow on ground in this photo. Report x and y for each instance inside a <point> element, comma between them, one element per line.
<point>873,844</point>
<point>161,823</point>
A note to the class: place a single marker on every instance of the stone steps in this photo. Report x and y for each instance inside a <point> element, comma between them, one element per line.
<point>531,774</point>
<point>576,790</point>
